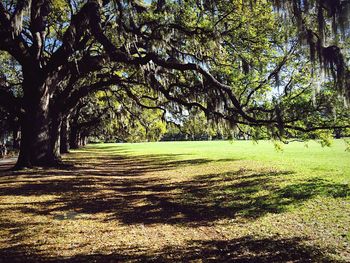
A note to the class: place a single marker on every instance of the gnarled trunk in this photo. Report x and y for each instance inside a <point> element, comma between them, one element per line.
<point>36,143</point>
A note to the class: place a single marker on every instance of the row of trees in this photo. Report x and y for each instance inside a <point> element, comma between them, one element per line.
<point>274,67</point>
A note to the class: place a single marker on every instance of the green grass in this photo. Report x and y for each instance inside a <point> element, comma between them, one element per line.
<point>311,158</point>
<point>182,201</point>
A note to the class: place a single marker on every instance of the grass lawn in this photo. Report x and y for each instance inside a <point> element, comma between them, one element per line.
<point>181,202</point>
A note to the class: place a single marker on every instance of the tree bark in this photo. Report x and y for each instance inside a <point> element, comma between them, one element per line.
<point>64,135</point>
<point>36,143</point>
<point>55,140</point>
<point>74,137</point>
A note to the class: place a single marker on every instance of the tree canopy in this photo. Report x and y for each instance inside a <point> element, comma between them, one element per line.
<point>271,69</point>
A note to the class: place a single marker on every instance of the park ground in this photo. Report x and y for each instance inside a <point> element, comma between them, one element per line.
<point>181,202</point>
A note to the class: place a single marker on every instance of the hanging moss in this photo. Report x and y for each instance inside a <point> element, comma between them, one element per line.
<point>330,58</point>
<point>22,7</point>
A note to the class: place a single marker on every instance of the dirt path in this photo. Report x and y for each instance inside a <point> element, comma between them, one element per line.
<point>135,209</point>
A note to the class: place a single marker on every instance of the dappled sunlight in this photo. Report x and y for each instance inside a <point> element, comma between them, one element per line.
<point>157,207</point>
<point>245,249</point>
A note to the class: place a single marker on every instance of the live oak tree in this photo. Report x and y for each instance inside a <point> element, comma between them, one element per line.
<point>51,63</point>
<point>230,59</point>
<point>323,26</point>
<point>89,115</point>
<point>112,116</point>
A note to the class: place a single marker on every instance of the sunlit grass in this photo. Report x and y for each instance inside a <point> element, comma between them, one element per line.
<point>307,156</point>
<point>182,201</point>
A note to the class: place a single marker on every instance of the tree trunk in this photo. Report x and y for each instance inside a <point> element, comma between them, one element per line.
<point>74,137</point>
<point>55,131</point>
<point>82,141</point>
<point>35,142</point>
<point>16,137</point>
<point>64,135</point>
<point>85,141</point>
<point>35,148</point>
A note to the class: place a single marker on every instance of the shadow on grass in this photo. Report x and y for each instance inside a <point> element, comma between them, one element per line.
<point>128,190</point>
<point>121,187</point>
<point>246,249</point>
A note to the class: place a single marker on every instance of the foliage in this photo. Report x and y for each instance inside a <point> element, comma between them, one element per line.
<point>123,120</point>
<point>239,62</point>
